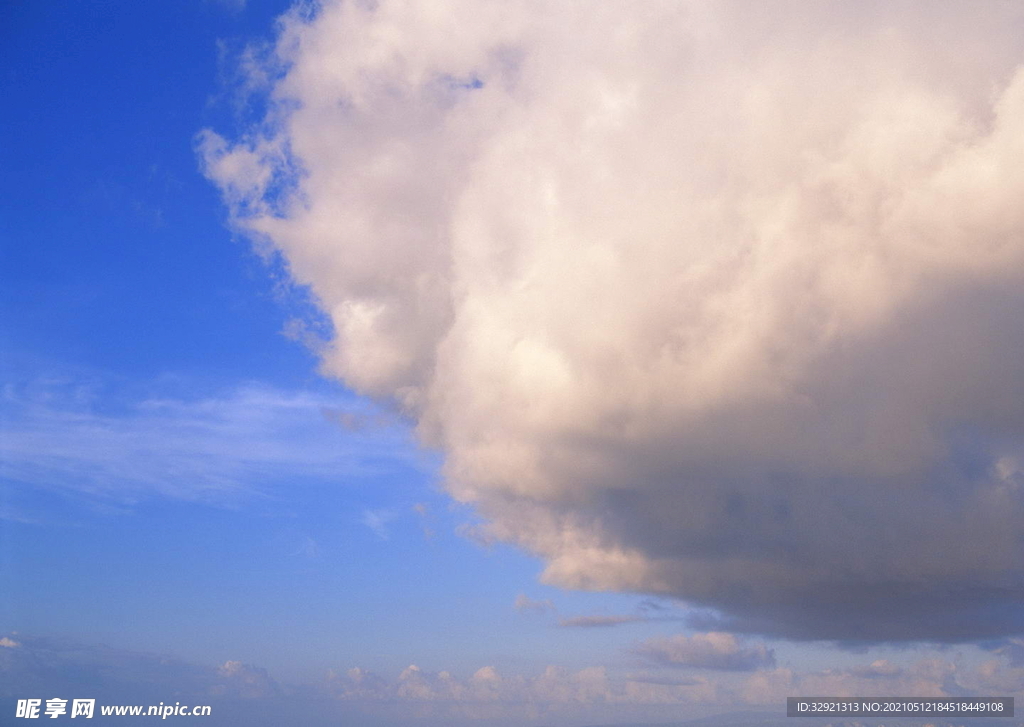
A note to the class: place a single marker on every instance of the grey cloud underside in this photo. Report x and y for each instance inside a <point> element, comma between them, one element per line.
<point>697,303</point>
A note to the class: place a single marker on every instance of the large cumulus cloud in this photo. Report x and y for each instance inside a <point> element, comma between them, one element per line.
<point>698,299</point>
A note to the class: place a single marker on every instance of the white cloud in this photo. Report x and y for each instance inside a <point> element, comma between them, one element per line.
<point>9,643</point>
<point>928,677</point>
<point>524,604</point>
<point>216,448</point>
<point>553,686</point>
<point>422,510</point>
<point>706,651</point>
<point>417,696</point>
<point>699,301</point>
<point>377,521</point>
<point>45,664</point>
<point>243,680</point>
<point>599,621</point>
<point>307,547</point>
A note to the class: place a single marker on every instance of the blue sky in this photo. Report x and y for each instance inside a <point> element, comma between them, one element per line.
<point>140,335</point>
<point>453,367</point>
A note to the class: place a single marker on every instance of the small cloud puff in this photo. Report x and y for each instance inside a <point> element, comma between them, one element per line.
<point>377,521</point>
<point>243,680</point>
<point>525,604</point>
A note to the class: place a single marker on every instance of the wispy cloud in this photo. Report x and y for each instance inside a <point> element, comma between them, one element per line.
<point>713,650</point>
<point>647,611</point>
<point>377,521</point>
<point>599,621</point>
<point>525,604</point>
<point>234,6</point>
<point>422,511</point>
<point>51,665</point>
<point>307,547</point>
<point>60,435</point>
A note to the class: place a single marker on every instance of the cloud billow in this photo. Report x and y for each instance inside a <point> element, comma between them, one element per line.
<point>697,302</point>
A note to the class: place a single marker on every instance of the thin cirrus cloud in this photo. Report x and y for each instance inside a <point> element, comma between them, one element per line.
<point>377,521</point>
<point>588,622</point>
<point>712,650</point>
<point>525,604</point>
<point>698,301</point>
<point>219,448</point>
